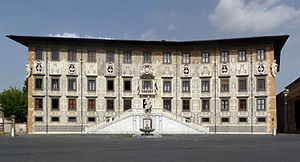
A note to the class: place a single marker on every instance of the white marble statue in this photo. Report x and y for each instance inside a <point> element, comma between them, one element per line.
<point>274,68</point>
<point>148,106</point>
<point>28,70</point>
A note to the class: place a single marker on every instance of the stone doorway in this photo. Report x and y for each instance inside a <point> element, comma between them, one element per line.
<point>297,114</point>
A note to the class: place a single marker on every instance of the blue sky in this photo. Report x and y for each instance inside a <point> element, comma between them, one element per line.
<point>149,20</point>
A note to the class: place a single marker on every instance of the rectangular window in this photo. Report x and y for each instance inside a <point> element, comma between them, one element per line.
<point>55,84</point>
<point>225,120</point>
<point>91,119</point>
<point>205,86</point>
<point>91,84</point>
<point>225,105</point>
<point>167,86</point>
<point>261,104</point>
<point>38,119</point>
<point>261,84</point>
<point>242,120</point>
<point>205,120</point>
<point>224,56</point>
<point>55,104</point>
<point>185,105</point>
<point>110,85</point>
<point>39,54</point>
<point>91,104</point>
<point>55,119</point>
<point>167,105</point>
<point>147,57</point>
<point>91,56</point>
<point>243,84</point>
<point>38,83</point>
<point>110,57</point>
<point>242,56</point>
<point>185,86</point>
<point>147,85</point>
<point>242,104</point>
<point>72,119</point>
<point>55,55</point>
<point>186,58</point>
<point>127,85</point>
<point>127,104</point>
<point>167,58</point>
<point>72,104</point>
<point>260,54</point>
<point>261,119</point>
<point>110,104</point>
<point>224,85</point>
<point>38,103</point>
<point>72,84</point>
<point>72,56</point>
<point>127,57</point>
<point>205,105</point>
<point>205,57</point>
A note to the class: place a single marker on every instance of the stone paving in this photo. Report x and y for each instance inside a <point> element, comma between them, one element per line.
<point>284,147</point>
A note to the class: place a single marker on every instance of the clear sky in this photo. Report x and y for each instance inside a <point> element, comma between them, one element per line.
<point>148,20</point>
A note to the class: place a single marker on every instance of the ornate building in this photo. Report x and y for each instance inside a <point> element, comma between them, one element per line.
<point>79,85</point>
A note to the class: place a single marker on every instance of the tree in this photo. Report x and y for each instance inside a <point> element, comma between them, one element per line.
<point>14,102</point>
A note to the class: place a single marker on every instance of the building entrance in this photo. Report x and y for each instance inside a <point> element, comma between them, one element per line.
<point>297,114</point>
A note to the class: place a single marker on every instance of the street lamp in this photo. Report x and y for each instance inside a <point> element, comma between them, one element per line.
<point>285,92</point>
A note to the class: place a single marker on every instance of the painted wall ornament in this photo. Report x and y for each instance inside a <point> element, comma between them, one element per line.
<point>110,69</point>
<point>260,69</point>
<point>224,69</point>
<point>39,67</point>
<point>146,71</point>
<point>274,68</point>
<point>72,68</point>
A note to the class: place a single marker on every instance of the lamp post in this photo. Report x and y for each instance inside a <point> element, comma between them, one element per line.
<point>285,92</point>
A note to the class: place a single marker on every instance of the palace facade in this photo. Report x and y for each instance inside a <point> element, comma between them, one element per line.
<point>80,85</point>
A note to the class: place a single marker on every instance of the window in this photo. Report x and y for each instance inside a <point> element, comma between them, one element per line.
<point>205,120</point>
<point>91,104</point>
<point>55,119</point>
<point>110,57</point>
<point>185,86</point>
<point>224,104</point>
<point>186,58</point>
<point>185,105</point>
<point>91,56</point>
<point>55,104</point>
<point>72,55</point>
<point>261,119</point>
<point>39,54</point>
<point>55,84</point>
<point>242,56</point>
<point>110,104</point>
<point>205,86</point>
<point>38,83</point>
<point>91,119</point>
<point>167,105</point>
<point>205,105</point>
<point>242,120</point>
<point>261,84</point>
<point>127,104</point>
<point>261,103</point>
<point>38,119</point>
<point>72,119</point>
<point>127,57</point>
<point>243,84</point>
<point>224,56</point>
<point>224,85</point>
<point>147,85</point>
<point>38,103</point>
<point>167,58</point>
<point>110,85</point>
<point>242,104</point>
<point>225,120</point>
<point>91,84</point>
<point>260,54</point>
<point>167,86</point>
<point>72,104</point>
<point>205,57</point>
<point>147,57</point>
<point>72,84</point>
<point>55,55</point>
<point>127,85</point>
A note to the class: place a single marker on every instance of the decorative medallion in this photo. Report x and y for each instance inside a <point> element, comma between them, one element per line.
<point>72,68</point>
<point>186,70</point>
<point>146,71</point>
<point>224,69</point>
<point>110,69</point>
<point>39,67</point>
<point>260,69</point>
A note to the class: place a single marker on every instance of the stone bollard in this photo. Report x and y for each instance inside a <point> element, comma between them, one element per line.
<point>13,126</point>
